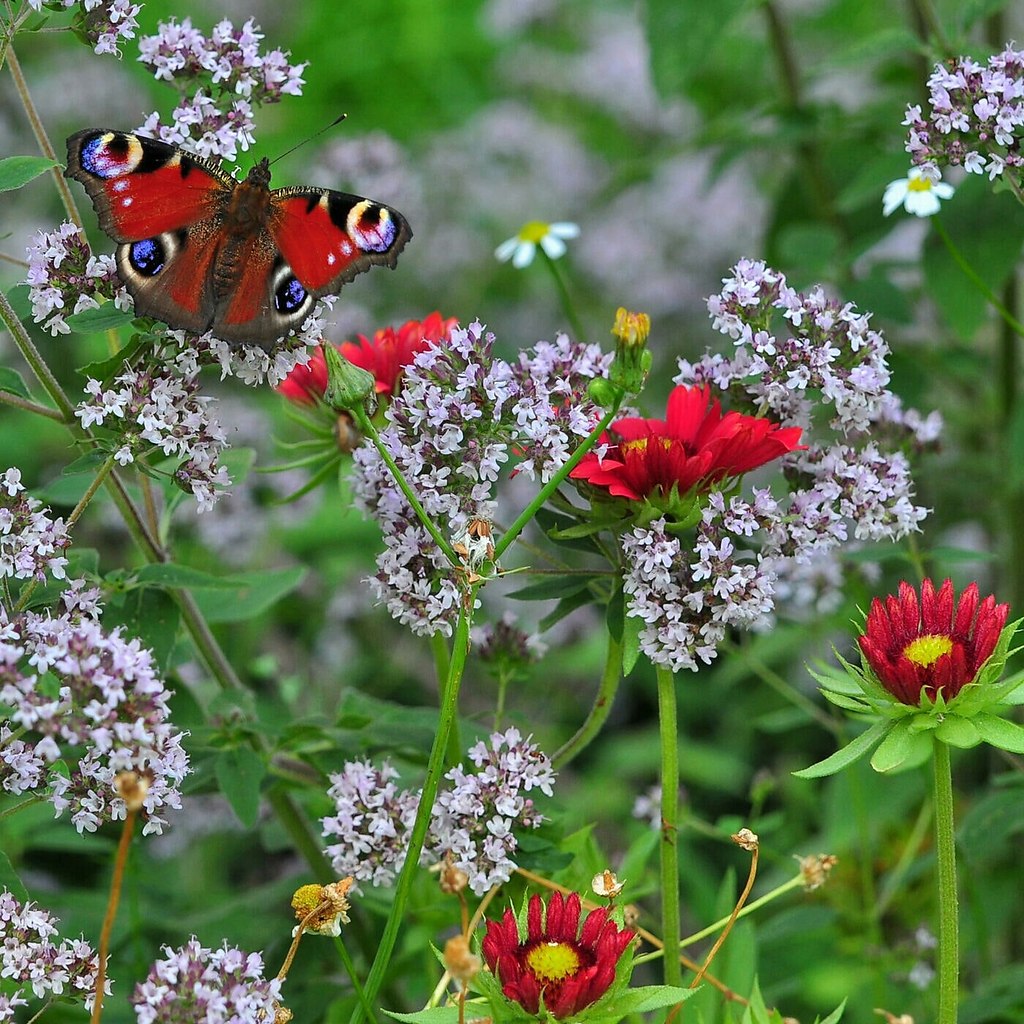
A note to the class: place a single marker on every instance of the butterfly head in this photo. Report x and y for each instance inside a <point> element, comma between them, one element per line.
<point>260,174</point>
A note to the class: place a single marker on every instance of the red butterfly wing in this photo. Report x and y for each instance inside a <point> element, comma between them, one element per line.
<point>164,208</point>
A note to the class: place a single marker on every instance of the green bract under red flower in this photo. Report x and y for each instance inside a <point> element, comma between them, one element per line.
<point>694,447</point>
<point>557,961</point>
<point>390,351</point>
<point>921,647</point>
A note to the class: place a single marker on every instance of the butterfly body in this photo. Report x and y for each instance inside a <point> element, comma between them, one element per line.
<point>202,251</point>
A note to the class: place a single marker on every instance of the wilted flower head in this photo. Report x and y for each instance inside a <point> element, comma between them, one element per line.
<point>553,960</point>
<point>195,985</point>
<point>917,648</point>
<point>330,903</point>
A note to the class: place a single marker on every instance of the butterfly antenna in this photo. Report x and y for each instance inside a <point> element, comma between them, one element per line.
<point>310,138</point>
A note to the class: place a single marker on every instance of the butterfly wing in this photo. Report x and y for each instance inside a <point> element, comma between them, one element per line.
<point>165,210</point>
<point>315,241</point>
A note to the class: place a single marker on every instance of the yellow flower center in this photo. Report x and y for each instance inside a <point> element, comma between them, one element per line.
<point>552,961</point>
<point>926,650</point>
<point>534,231</point>
<point>919,185</point>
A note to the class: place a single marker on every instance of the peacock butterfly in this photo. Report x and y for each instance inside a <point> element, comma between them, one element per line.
<point>205,252</point>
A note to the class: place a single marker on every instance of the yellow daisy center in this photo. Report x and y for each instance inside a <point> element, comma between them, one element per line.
<point>552,961</point>
<point>534,231</point>
<point>926,650</point>
<point>919,185</point>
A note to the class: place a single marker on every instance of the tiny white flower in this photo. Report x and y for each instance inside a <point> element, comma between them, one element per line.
<point>917,193</point>
<point>522,247</point>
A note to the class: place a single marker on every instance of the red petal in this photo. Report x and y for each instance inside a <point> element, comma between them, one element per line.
<point>691,414</point>
<point>570,921</point>
<point>592,927</point>
<point>556,913</point>
<point>534,924</point>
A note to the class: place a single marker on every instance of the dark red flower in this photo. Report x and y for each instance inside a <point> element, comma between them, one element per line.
<point>385,357</point>
<point>571,968</point>
<point>694,446</point>
<point>916,648</point>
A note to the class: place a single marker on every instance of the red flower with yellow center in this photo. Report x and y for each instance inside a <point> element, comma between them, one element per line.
<point>922,647</point>
<point>695,446</point>
<point>385,357</point>
<point>568,967</point>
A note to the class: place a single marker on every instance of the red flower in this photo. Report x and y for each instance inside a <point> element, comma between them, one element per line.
<point>923,648</point>
<point>569,970</point>
<point>695,446</point>
<point>385,357</point>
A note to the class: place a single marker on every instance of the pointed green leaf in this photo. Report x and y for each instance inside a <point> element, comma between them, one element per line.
<point>239,773</point>
<point>255,593</point>
<point>104,318</point>
<point>835,1016</point>
<point>10,880</point>
<point>1000,733</point>
<point>16,171</point>
<point>845,756</point>
<point>553,587</point>
<point>632,627</point>
<point>11,382</point>
<point>902,748</point>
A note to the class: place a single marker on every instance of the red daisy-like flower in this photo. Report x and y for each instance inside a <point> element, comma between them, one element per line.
<point>922,647</point>
<point>694,446</point>
<point>390,351</point>
<point>570,967</point>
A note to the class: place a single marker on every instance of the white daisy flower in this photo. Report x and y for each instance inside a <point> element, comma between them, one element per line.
<point>522,247</point>
<point>918,193</point>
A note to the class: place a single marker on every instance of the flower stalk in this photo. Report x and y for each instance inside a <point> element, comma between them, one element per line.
<point>668,731</point>
<point>945,856</point>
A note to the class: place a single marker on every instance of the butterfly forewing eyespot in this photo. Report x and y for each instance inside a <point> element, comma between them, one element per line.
<point>371,226</point>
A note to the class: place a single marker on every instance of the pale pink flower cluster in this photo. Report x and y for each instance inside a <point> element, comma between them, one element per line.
<point>231,76</point>
<point>64,277</point>
<point>31,543</point>
<point>156,411</point>
<point>93,698</point>
<point>104,22</point>
<point>473,821</point>
<point>976,116</point>
<point>35,959</point>
<point>196,985</point>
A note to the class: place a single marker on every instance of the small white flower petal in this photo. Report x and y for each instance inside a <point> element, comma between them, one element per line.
<point>506,250</point>
<point>553,246</point>
<point>564,229</point>
<point>523,257</point>
<point>895,193</point>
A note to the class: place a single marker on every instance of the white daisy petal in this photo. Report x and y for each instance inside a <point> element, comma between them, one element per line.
<point>505,251</point>
<point>553,246</point>
<point>524,254</point>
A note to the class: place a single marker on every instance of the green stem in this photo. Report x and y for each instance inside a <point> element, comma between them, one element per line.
<point>669,824</point>
<point>602,707</point>
<point>553,484</point>
<point>27,405</point>
<point>350,969</point>
<point>564,298</point>
<point>369,430</point>
<point>945,855</point>
<point>973,277</point>
<point>435,769</point>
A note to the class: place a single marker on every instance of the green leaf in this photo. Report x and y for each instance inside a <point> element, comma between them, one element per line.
<point>182,577</point>
<point>646,998</point>
<point>442,1014</point>
<point>16,171</point>
<point>239,774</point>
<point>682,35</point>
<point>902,748</point>
<point>103,369</point>
<point>153,617</point>
<point>257,591</point>
<point>12,383</point>
<point>845,756</point>
<point>958,732</point>
<point>94,321</point>
<point>1000,733</point>
<point>565,607</point>
<point>9,879</point>
<point>555,587</point>
<point>835,1016</point>
<point>632,627</point>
